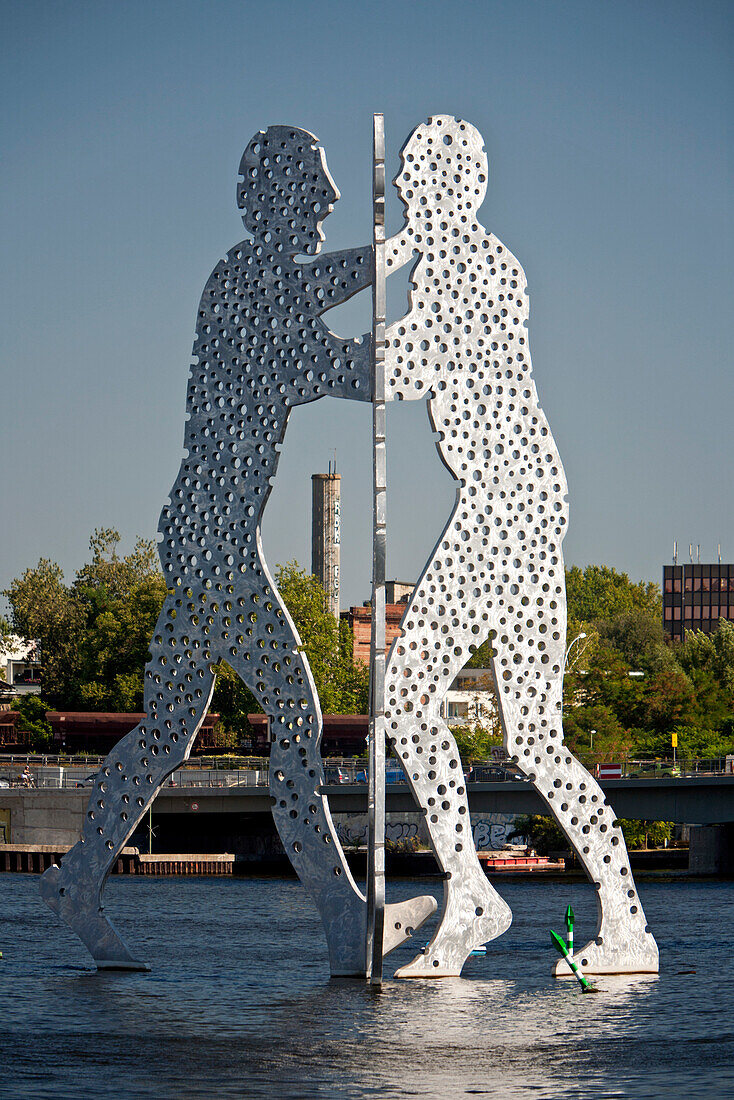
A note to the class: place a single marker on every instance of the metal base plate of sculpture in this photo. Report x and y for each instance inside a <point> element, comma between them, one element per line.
<point>495,573</point>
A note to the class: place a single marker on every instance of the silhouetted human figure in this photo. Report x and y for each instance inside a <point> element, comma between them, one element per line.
<point>497,570</point>
<point>260,349</point>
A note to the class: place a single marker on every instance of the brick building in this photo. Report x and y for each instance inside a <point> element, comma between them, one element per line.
<point>397,594</point>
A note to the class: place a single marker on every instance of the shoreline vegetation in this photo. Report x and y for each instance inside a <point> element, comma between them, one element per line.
<point>629,692</point>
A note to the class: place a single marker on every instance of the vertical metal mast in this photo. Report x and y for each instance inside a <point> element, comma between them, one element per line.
<point>376,855</point>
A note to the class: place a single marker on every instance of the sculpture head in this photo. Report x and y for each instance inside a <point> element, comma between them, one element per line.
<point>444,170</point>
<point>285,189</point>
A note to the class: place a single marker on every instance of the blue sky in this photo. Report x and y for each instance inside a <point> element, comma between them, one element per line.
<point>609,133</point>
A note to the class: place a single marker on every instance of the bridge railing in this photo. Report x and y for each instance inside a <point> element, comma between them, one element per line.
<point>47,772</point>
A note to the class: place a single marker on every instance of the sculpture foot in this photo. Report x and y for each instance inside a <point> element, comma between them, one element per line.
<point>457,936</point>
<point>78,904</point>
<point>403,917</point>
<point>635,953</point>
<point>346,939</point>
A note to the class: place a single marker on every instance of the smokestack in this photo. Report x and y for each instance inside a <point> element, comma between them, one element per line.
<point>326,533</point>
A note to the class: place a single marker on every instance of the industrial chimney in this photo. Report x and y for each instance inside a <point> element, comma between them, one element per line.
<point>326,533</point>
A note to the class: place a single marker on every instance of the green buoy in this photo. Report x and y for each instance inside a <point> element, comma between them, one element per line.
<point>586,987</point>
<point>569,930</point>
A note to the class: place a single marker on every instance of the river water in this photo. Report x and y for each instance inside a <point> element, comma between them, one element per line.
<point>239,1003</point>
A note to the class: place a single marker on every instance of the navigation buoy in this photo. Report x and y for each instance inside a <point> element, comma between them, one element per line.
<point>569,930</point>
<point>586,987</point>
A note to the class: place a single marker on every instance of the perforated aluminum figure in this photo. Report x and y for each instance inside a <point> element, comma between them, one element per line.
<point>497,570</point>
<point>261,348</point>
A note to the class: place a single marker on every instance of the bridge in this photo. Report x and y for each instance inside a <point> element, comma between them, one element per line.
<point>231,811</point>
<point>706,800</point>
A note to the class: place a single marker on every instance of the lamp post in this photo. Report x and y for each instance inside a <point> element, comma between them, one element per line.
<point>579,638</point>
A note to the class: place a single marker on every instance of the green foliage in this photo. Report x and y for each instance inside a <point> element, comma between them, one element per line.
<point>32,710</point>
<point>6,635</point>
<point>541,833</point>
<point>694,742</point>
<point>611,740</point>
<point>96,632</point>
<point>600,592</point>
<point>482,656</point>
<point>42,607</point>
<point>475,742</point>
<point>342,683</point>
<point>639,637</point>
<point>708,660</point>
<point>689,688</point>
<point>232,701</point>
<point>645,834</point>
<point>95,635</point>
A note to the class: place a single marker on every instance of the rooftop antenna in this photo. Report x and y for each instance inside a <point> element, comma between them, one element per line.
<point>698,553</point>
<point>675,551</point>
<point>690,551</point>
<point>719,551</point>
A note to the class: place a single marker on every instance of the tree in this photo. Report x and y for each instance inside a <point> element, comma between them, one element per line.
<point>600,592</point>
<point>638,635</point>
<point>120,599</point>
<point>475,742</point>
<point>94,634</point>
<point>232,701</point>
<point>645,834</point>
<point>541,833</point>
<point>42,607</point>
<point>342,683</point>
<point>605,682</point>
<point>694,742</point>
<point>708,660</point>
<point>6,635</point>
<point>668,701</point>
<point>32,721</point>
<point>611,740</point>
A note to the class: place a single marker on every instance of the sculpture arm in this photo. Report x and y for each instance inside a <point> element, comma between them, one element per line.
<point>349,371</point>
<point>398,250</point>
<point>337,276</point>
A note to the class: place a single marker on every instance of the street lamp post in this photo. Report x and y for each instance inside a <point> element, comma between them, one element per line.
<point>579,637</point>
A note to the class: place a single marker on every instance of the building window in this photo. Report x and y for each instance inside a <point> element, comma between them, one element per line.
<point>668,612</point>
<point>696,584</point>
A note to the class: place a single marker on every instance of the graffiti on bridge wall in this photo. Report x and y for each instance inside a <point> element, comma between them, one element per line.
<point>490,831</point>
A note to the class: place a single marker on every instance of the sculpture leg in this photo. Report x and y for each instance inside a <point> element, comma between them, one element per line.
<point>623,942</point>
<point>529,687</point>
<point>178,687</point>
<point>284,687</point>
<point>420,670</point>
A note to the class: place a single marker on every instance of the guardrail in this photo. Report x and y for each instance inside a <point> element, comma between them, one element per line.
<point>253,771</point>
